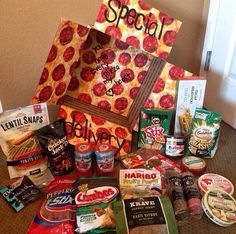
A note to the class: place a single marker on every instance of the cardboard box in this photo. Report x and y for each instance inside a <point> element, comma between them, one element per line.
<point>109,76</point>
<point>190,96</point>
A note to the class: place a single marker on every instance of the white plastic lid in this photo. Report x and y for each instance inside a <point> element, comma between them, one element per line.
<point>214,181</point>
<point>220,207</point>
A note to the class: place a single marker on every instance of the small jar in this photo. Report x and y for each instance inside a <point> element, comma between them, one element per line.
<point>83,159</point>
<point>174,146</point>
<point>104,159</point>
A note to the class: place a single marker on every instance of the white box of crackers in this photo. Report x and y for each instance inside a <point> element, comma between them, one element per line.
<point>191,94</point>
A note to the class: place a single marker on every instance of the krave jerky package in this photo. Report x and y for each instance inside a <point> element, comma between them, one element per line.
<point>204,133</point>
<point>54,141</point>
<point>149,215</point>
<point>24,154</point>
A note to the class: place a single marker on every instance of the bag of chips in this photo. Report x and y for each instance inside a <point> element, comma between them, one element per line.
<point>204,133</point>
<point>23,152</point>
<point>95,198</point>
<point>56,213</point>
<point>54,141</point>
<point>153,126</point>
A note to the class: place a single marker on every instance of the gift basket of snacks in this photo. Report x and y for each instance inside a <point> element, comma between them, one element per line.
<point>112,81</point>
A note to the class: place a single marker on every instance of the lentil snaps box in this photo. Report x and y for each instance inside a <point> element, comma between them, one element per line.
<point>24,156</point>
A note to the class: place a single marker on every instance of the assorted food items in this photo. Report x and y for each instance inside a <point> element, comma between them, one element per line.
<point>109,72</point>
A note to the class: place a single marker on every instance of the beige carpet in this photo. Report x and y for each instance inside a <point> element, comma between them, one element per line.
<point>223,163</point>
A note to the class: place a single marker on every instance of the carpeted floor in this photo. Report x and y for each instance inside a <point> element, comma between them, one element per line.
<point>224,163</point>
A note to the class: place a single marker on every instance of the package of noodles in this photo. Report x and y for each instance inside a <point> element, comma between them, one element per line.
<point>24,154</point>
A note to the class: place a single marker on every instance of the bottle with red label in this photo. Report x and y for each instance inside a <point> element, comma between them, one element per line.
<point>104,159</point>
<point>83,159</point>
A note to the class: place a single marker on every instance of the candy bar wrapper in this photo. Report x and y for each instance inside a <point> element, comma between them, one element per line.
<point>154,126</point>
<point>145,215</point>
<point>132,160</point>
<point>139,25</point>
<point>82,127</point>
<point>190,96</point>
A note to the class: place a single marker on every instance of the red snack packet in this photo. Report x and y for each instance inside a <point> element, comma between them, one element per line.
<point>56,213</point>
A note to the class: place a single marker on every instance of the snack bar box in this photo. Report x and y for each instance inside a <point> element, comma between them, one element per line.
<point>117,67</point>
<point>190,96</point>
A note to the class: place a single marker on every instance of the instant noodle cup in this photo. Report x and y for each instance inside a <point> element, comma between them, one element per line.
<point>83,159</point>
<point>214,181</point>
<point>220,207</point>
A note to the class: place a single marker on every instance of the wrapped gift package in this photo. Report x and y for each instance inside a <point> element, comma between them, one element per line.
<point>115,68</point>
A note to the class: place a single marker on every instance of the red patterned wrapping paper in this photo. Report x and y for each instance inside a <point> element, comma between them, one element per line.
<point>82,127</point>
<point>62,60</point>
<point>138,24</point>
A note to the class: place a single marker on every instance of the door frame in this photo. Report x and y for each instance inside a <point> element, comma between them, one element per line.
<point>210,32</point>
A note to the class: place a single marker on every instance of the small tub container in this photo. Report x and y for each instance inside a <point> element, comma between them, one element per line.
<point>214,181</point>
<point>83,159</point>
<point>195,165</point>
<point>175,146</point>
<point>220,207</point>
<point>104,159</point>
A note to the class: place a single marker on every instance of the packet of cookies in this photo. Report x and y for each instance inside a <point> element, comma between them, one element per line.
<point>154,125</point>
<point>204,133</point>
